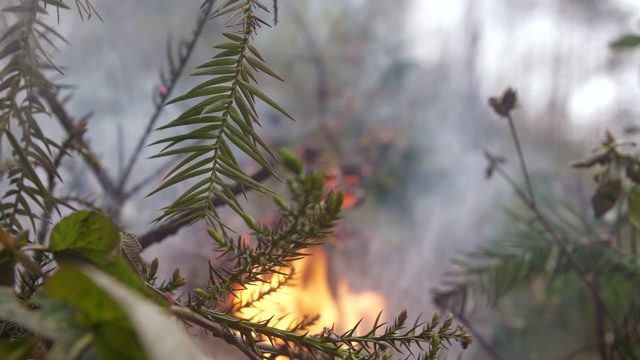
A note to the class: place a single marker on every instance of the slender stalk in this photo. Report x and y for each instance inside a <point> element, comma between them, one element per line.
<point>561,244</point>
<point>176,72</point>
<point>523,165</point>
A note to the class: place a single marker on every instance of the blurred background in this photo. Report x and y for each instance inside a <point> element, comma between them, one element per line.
<point>390,101</point>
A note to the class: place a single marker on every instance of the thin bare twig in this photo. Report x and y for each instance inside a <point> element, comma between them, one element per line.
<point>169,85</point>
<point>145,182</point>
<point>69,125</point>
<point>523,165</point>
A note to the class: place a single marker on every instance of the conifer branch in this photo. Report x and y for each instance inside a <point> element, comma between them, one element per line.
<point>224,119</point>
<point>172,226</point>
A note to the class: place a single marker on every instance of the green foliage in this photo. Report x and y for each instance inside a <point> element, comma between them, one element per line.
<point>625,42</point>
<point>82,291</point>
<point>553,251</point>
<point>300,225</point>
<point>25,56</point>
<point>226,117</point>
<point>85,234</point>
<point>112,332</point>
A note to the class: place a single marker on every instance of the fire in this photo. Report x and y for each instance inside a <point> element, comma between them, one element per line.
<point>310,295</point>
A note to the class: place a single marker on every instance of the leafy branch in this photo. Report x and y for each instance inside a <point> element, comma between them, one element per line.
<point>225,118</point>
<point>301,225</point>
<point>25,54</point>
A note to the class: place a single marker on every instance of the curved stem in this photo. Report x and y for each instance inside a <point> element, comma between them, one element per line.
<point>560,242</point>
<point>523,165</point>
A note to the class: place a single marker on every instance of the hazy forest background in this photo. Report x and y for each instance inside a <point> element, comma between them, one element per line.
<point>396,90</point>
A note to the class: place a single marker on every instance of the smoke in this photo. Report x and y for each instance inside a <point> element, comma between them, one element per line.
<point>404,85</point>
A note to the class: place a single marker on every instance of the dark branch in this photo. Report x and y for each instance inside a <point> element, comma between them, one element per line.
<point>70,127</point>
<point>172,226</point>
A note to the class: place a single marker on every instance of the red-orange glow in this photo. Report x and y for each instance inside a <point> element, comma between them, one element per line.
<point>311,294</point>
<point>366,170</point>
<point>351,180</point>
<point>350,200</point>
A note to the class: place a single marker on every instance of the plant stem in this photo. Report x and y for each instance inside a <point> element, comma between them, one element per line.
<point>523,165</point>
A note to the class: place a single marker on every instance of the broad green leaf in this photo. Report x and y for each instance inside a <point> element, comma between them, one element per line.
<point>634,206</point>
<point>626,41</point>
<point>156,330</point>
<point>113,333</point>
<point>86,235</point>
<point>121,268</point>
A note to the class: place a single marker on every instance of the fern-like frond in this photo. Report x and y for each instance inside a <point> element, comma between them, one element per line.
<point>24,55</point>
<point>223,120</point>
<point>486,275</point>
<point>356,343</point>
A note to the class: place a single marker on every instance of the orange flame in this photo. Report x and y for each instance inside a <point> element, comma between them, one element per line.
<point>310,295</point>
